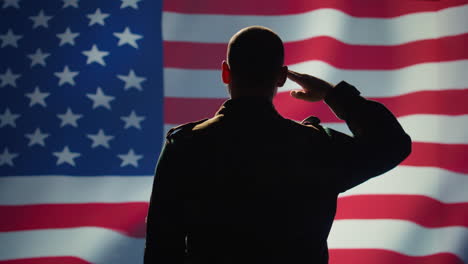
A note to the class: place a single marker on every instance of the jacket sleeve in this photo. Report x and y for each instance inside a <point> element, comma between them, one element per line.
<point>378,144</point>
<point>165,235</point>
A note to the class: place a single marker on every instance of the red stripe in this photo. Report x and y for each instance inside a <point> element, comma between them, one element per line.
<point>419,209</point>
<point>337,256</point>
<point>446,102</point>
<point>126,218</point>
<point>129,218</point>
<point>381,256</point>
<point>183,110</point>
<point>46,260</point>
<point>189,55</point>
<point>357,8</point>
<point>451,157</point>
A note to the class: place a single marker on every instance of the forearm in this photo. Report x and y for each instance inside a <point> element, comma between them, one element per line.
<point>368,120</point>
<point>379,143</point>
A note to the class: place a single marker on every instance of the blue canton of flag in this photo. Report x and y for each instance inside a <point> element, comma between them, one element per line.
<point>81,87</point>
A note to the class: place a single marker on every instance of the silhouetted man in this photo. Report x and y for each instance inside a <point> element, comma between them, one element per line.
<point>249,186</point>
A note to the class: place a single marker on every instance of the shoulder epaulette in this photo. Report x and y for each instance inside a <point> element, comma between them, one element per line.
<point>315,123</point>
<point>182,131</point>
<point>311,120</point>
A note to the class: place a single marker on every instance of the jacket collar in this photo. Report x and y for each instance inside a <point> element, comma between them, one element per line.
<point>248,106</point>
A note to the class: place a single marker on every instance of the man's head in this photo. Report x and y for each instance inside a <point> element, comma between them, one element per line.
<point>254,65</point>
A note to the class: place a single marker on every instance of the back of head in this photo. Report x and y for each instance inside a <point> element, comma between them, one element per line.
<point>255,56</point>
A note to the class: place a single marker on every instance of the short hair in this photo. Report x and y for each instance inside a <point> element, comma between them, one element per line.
<point>255,56</point>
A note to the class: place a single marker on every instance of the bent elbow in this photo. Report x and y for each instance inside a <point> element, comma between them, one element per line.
<point>404,148</point>
<point>397,150</point>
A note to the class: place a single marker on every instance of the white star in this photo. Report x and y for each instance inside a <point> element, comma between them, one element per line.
<point>95,55</point>
<point>132,120</point>
<point>66,76</point>
<point>132,80</point>
<point>130,159</point>
<point>129,3</point>
<point>100,139</point>
<point>66,156</point>
<point>67,37</point>
<point>12,3</point>
<point>7,158</point>
<point>100,99</point>
<point>10,39</point>
<point>37,97</point>
<point>97,17</point>
<point>8,118</point>
<point>67,3</point>
<point>127,37</point>
<point>69,118</point>
<point>38,58</point>
<point>37,137</point>
<point>40,20</point>
<point>9,78</point>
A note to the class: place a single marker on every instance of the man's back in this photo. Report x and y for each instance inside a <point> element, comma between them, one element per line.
<point>253,190</point>
<point>249,186</point>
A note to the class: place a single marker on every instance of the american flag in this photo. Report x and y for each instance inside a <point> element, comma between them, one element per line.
<point>89,87</point>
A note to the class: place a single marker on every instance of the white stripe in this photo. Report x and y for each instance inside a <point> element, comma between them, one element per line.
<point>441,129</point>
<point>400,236</point>
<point>103,246</point>
<point>439,184</point>
<point>427,128</point>
<point>20,190</point>
<point>382,83</point>
<point>95,245</point>
<point>324,22</point>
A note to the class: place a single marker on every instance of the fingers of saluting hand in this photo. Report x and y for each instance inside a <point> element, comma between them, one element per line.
<point>298,94</point>
<point>295,76</point>
<point>314,89</point>
<point>301,78</point>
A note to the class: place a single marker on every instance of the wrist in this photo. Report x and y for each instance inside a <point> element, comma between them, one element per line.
<point>341,91</point>
<point>341,97</point>
<point>327,90</point>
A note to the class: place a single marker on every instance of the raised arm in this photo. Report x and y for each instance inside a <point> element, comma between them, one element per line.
<point>378,144</point>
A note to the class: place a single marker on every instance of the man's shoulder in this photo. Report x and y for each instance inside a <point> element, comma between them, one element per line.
<point>187,130</point>
<point>307,130</point>
<point>182,131</point>
<point>311,123</point>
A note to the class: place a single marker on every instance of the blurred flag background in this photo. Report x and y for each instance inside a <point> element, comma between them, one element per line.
<point>88,89</point>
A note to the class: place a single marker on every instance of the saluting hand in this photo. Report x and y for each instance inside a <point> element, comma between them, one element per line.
<point>313,88</point>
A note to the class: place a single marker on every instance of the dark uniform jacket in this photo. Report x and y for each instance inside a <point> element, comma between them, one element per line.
<point>249,186</point>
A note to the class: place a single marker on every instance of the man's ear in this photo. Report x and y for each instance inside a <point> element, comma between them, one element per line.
<point>226,73</point>
<point>283,75</point>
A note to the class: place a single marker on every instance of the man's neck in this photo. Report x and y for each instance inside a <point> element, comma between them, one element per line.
<point>246,92</point>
